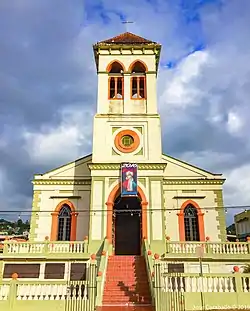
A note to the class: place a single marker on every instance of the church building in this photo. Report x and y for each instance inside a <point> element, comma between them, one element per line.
<point>87,198</point>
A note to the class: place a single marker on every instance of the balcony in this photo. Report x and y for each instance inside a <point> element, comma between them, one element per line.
<point>218,251</point>
<point>45,250</point>
<point>189,291</point>
<point>17,294</point>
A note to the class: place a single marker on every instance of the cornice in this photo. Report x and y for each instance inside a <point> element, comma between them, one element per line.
<point>141,166</point>
<point>193,181</point>
<point>130,115</point>
<point>62,182</point>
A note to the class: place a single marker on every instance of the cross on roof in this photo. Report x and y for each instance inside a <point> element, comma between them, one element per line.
<point>126,23</point>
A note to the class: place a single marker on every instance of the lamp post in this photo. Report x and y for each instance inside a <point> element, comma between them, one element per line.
<point>200,254</point>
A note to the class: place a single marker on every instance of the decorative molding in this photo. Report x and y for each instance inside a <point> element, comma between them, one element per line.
<point>193,181</point>
<point>132,49</point>
<point>188,191</point>
<point>130,115</point>
<point>133,146</point>
<point>67,191</point>
<point>141,166</point>
<point>62,182</point>
<point>189,197</point>
<point>65,197</point>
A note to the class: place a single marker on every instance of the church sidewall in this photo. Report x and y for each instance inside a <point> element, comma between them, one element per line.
<point>45,201</point>
<point>97,215</point>
<point>209,199</point>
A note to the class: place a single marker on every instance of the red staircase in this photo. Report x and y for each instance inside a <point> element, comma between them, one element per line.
<point>126,287</point>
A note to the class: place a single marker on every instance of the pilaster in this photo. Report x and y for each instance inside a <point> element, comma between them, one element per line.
<point>97,214</point>
<point>35,214</point>
<point>156,211</point>
<point>221,218</point>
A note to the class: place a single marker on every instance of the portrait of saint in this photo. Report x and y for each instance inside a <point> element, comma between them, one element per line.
<point>129,185</point>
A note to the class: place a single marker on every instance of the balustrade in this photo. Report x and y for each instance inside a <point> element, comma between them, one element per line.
<point>44,248</point>
<point>4,291</point>
<point>61,295</point>
<point>209,248</point>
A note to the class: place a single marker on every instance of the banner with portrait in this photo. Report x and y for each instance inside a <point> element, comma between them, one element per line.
<point>128,180</point>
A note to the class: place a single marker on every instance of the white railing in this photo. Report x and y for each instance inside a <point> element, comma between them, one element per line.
<point>245,281</point>
<point>227,248</point>
<point>70,247</point>
<point>4,291</point>
<point>206,283</point>
<point>39,291</point>
<point>183,248</point>
<point>23,247</point>
<point>46,247</point>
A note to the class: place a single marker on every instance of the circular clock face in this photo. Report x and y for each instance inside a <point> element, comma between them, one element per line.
<point>127,141</point>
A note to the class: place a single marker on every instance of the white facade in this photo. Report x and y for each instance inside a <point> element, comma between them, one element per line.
<point>165,183</point>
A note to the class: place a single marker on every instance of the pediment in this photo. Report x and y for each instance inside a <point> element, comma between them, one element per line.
<point>74,170</point>
<point>181,170</point>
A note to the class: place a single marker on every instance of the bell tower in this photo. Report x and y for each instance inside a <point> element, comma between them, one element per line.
<point>127,124</point>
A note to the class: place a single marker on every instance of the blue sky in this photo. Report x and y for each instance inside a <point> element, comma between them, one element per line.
<point>48,84</point>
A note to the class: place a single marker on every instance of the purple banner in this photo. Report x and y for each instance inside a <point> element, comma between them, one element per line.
<point>128,179</point>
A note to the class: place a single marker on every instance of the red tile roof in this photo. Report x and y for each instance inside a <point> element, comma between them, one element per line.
<point>127,38</point>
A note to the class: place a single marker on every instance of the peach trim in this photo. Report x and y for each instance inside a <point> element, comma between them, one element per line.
<point>130,69</point>
<point>116,81</point>
<point>119,145</point>
<point>111,63</point>
<point>110,204</point>
<point>54,226</point>
<point>182,224</point>
<point>138,87</point>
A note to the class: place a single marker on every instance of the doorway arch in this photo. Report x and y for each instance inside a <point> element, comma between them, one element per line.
<point>110,205</point>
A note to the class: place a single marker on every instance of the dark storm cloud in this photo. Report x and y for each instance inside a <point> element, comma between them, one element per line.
<point>40,74</point>
<point>47,66</point>
<point>37,58</point>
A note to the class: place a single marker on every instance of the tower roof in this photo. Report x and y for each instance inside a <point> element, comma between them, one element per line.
<point>126,38</point>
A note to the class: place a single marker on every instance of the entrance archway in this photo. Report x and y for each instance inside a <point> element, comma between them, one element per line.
<point>127,226</point>
<point>114,194</point>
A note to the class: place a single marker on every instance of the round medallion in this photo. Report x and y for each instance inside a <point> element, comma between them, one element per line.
<point>127,141</point>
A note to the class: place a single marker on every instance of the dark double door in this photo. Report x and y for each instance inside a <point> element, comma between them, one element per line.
<point>127,226</point>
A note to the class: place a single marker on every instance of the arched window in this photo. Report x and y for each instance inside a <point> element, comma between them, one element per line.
<point>191,223</point>
<point>64,223</point>
<point>115,71</point>
<point>138,80</point>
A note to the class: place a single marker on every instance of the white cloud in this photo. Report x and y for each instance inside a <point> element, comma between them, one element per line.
<point>180,90</point>
<point>234,123</point>
<point>69,139</point>
<point>237,188</point>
